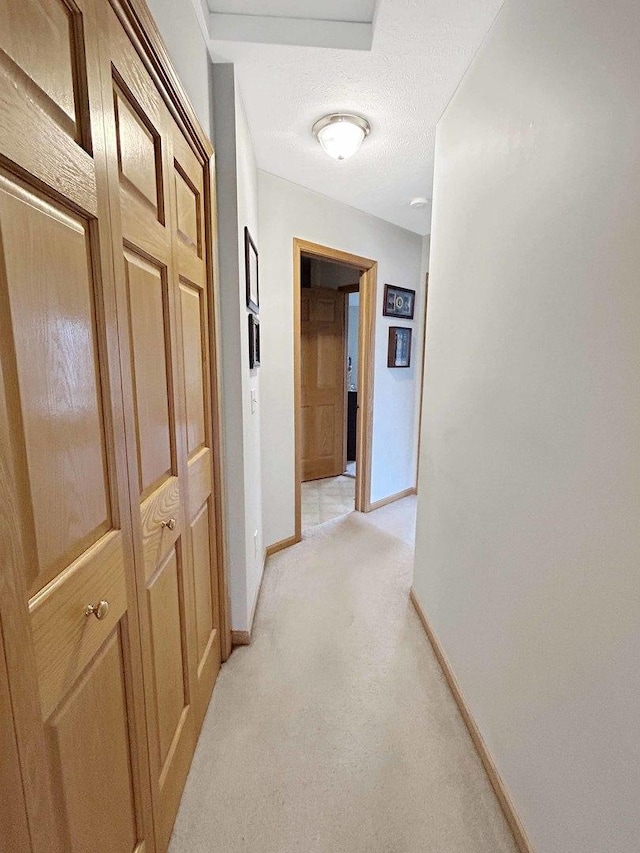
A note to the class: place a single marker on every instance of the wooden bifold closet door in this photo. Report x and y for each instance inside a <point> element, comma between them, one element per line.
<point>110,612</point>
<point>157,189</point>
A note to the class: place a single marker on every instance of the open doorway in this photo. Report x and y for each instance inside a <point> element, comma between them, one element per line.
<point>334,319</point>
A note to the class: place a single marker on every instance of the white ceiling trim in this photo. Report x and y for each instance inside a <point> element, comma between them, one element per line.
<point>303,32</point>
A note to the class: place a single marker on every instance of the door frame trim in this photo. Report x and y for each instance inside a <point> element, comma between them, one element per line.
<point>366,349</point>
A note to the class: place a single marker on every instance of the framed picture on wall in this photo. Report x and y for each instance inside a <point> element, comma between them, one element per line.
<point>251,272</point>
<point>399,352</point>
<point>254,342</point>
<point>398,302</point>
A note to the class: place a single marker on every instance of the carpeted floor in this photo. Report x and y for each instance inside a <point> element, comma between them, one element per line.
<point>335,732</point>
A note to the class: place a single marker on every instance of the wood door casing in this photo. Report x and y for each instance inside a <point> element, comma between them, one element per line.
<point>63,465</point>
<point>322,331</point>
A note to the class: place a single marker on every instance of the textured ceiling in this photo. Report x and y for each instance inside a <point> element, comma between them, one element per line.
<point>421,49</point>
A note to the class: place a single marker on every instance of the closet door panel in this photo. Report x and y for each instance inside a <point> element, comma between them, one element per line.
<point>94,813</point>
<point>67,599</point>
<point>51,294</point>
<point>165,589</point>
<point>155,434</point>
<point>46,56</point>
<point>193,324</point>
<point>146,291</point>
<point>188,224</point>
<point>15,829</point>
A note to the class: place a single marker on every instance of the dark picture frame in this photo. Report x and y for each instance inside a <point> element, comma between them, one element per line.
<point>399,351</point>
<point>251,272</point>
<point>254,342</point>
<point>398,302</point>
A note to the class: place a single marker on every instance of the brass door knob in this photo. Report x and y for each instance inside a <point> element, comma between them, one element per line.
<point>171,524</point>
<point>99,610</point>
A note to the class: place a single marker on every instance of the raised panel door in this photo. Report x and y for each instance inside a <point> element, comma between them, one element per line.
<point>68,599</point>
<point>187,201</point>
<point>323,369</point>
<point>157,210</point>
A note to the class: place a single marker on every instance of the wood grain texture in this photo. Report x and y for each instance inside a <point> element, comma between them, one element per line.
<point>182,593</point>
<point>405,493</point>
<point>63,456</point>
<point>52,157</point>
<point>89,809</point>
<point>281,545</point>
<point>50,287</point>
<point>164,592</point>
<point>323,377</point>
<point>146,289</point>
<point>15,828</point>
<point>218,521</point>
<point>366,361</point>
<point>76,149</point>
<point>366,348</point>
<point>200,478</point>
<point>201,550</point>
<point>47,56</point>
<point>194,364</point>
<point>241,638</point>
<point>156,511</point>
<point>64,638</point>
<point>138,153</point>
<point>506,803</point>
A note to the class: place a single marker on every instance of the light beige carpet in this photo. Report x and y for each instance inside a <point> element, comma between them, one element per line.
<point>335,732</point>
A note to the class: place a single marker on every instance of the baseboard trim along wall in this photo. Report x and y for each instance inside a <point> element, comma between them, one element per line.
<point>243,638</point>
<point>282,544</point>
<point>397,497</point>
<point>506,803</point>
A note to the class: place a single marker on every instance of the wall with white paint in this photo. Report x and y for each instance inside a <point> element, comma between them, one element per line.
<point>528,541</point>
<point>213,91</point>
<point>287,211</point>
<point>183,37</point>
<point>238,207</point>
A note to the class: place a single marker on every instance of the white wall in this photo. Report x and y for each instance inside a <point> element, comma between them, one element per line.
<point>528,548</point>
<point>288,211</point>
<point>178,25</point>
<point>236,178</point>
<point>237,207</point>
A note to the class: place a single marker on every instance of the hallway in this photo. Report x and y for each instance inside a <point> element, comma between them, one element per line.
<point>335,732</point>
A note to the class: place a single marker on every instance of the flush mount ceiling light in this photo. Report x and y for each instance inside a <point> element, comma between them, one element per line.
<point>341,134</point>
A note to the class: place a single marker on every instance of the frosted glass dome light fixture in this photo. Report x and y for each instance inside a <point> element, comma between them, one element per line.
<point>341,134</point>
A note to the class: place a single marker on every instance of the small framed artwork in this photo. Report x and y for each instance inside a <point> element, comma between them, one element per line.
<point>254,342</point>
<point>251,272</point>
<point>398,302</point>
<point>399,352</point>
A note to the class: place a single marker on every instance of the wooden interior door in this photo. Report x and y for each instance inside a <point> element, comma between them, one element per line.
<point>190,282</point>
<point>67,596</point>
<point>158,209</point>
<point>323,367</point>
<point>14,835</point>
